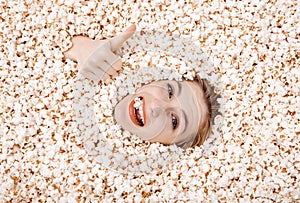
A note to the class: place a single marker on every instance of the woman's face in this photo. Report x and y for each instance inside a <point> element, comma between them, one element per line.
<point>164,111</point>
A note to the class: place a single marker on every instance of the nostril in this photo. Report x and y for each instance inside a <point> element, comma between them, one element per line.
<point>157,107</point>
<point>156,111</point>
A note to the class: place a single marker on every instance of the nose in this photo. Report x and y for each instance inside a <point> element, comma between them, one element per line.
<point>158,107</point>
<point>156,111</point>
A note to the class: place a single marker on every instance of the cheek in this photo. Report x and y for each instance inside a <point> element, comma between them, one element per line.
<point>143,89</point>
<point>165,137</point>
<point>150,89</point>
<point>158,124</point>
<point>164,133</point>
<point>157,127</point>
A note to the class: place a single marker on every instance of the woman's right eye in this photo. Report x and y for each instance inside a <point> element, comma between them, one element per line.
<point>170,91</point>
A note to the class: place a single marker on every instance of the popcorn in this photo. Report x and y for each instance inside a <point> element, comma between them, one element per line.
<point>247,52</point>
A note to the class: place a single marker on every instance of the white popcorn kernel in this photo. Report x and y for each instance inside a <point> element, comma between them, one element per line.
<point>247,50</point>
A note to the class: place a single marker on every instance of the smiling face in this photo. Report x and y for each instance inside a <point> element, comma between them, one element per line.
<point>164,111</point>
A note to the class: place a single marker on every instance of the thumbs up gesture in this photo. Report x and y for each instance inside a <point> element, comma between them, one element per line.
<point>97,59</point>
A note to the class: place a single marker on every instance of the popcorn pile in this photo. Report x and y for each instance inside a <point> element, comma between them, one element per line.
<point>60,143</point>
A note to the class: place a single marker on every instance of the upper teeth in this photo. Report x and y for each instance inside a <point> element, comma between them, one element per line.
<point>138,104</point>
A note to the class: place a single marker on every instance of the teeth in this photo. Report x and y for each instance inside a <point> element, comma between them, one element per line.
<point>138,104</point>
<point>141,113</point>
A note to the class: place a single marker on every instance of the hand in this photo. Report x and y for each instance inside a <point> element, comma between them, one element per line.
<point>97,59</point>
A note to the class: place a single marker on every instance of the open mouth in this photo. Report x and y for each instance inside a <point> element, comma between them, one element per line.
<point>137,111</point>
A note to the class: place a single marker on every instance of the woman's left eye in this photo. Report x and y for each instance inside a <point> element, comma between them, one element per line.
<point>174,122</point>
<point>170,91</point>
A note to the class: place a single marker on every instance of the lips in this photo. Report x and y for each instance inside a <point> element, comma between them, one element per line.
<point>137,111</point>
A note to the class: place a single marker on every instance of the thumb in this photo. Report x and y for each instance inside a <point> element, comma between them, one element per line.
<point>117,41</point>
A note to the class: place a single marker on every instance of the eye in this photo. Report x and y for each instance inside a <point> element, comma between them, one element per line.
<point>174,121</point>
<point>170,91</point>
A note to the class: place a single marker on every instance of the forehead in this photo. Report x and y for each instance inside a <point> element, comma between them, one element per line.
<point>193,104</point>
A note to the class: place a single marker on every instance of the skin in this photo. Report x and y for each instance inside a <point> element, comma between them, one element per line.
<point>98,59</point>
<point>163,102</point>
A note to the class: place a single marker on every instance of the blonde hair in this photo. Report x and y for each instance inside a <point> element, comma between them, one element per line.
<point>204,129</point>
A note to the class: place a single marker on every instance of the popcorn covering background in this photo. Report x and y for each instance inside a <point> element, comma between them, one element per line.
<point>251,51</point>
